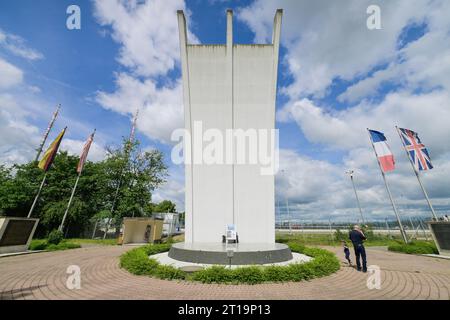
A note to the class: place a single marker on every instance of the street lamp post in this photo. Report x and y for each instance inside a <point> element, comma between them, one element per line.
<point>350,173</point>
<point>289,214</point>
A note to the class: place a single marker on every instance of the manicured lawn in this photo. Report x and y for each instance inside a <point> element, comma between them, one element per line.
<point>106,242</point>
<point>415,247</point>
<point>42,244</point>
<point>334,240</point>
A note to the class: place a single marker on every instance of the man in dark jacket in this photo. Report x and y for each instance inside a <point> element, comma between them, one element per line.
<point>357,237</point>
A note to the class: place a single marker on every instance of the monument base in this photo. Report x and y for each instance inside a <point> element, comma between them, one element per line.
<point>441,235</point>
<point>234,254</point>
<point>16,233</point>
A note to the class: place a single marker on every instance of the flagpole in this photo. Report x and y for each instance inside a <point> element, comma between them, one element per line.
<point>418,176</point>
<point>402,231</point>
<point>127,150</point>
<point>350,172</point>
<point>37,195</point>
<point>83,158</point>
<point>50,125</point>
<point>61,226</point>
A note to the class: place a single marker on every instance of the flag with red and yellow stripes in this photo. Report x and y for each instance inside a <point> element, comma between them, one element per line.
<point>50,154</point>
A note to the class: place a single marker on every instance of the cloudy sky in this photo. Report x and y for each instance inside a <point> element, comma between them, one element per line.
<point>336,78</point>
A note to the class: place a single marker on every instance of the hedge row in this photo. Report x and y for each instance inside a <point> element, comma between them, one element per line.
<point>417,247</point>
<point>136,261</point>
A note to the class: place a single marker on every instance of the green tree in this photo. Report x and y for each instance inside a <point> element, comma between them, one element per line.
<point>94,197</point>
<point>165,206</point>
<point>135,174</point>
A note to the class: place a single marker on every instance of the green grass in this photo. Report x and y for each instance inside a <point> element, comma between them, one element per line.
<point>415,247</point>
<point>106,242</point>
<point>335,240</point>
<point>42,244</point>
<point>137,261</point>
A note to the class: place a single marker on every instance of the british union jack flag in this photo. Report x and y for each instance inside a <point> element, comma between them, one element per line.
<point>416,150</point>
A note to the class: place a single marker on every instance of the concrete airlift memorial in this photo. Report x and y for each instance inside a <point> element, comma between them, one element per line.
<point>229,207</point>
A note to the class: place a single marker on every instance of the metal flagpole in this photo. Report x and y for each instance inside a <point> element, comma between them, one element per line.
<point>130,141</point>
<point>68,205</point>
<point>423,229</point>
<point>350,172</point>
<point>83,158</point>
<point>402,231</point>
<point>95,229</point>
<point>387,227</point>
<point>418,176</point>
<point>412,227</point>
<point>289,215</point>
<point>288,212</point>
<point>37,195</point>
<point>50,125</point>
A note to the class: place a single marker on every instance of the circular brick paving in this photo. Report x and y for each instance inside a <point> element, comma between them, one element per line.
<point>43,276</point>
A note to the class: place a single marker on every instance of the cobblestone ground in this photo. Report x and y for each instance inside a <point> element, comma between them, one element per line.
<point>43,276</point>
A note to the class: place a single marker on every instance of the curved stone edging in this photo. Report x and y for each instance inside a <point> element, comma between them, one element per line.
<point>242,256</point>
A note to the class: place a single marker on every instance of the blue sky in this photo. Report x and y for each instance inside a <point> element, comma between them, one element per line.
<point>336,78</point>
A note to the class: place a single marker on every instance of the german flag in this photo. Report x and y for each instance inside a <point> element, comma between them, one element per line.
<point>50,154</point>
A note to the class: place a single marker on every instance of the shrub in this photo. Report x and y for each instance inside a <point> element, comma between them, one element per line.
<point>218,274</point>
<point>55,237</point>
<point>156,248</point>
<point>249,275</point>
<point>169,272</point>
<point>137,261</point>
<point>417,247</point>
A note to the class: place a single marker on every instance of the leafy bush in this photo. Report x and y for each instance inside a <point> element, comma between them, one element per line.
<point>156,248</point>
<point>417,247</point>
<point>137,261</point>
<point>168,272</point>
<point>55,237</point>
<point>218,274</point>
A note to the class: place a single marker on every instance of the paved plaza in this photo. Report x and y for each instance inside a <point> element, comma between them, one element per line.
<point>43,276</point>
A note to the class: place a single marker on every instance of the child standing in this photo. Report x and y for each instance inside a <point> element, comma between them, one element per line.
<point>346,252</point>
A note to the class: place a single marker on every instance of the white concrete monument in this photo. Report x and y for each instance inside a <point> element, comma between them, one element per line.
<point>229,91</point>
<point>228,86</point>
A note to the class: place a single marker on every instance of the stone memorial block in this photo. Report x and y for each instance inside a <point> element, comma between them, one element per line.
<point>16,233</point>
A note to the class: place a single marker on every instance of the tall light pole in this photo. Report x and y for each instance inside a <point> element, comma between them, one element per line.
<point>350,173</point>
<point>287,207</point>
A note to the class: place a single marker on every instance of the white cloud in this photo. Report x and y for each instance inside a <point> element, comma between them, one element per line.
<point>346,129</point>
<point>422,64</point>
<point>10,75</point>
<point>19,138</point>
<point>75,147</point>
<point>17,46</point>
<point>147,31</point>
<point>326,40</point>
<point>318,190</point>
<point>161,109</point>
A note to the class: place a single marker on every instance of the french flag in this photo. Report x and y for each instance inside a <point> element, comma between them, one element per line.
<point>382,151</point>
